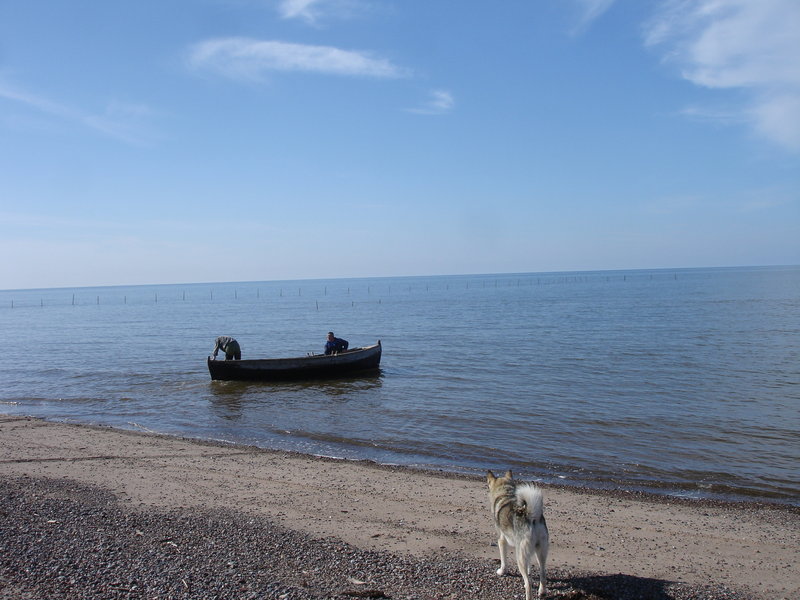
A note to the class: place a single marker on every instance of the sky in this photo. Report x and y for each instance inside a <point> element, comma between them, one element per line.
<point>180,141</point>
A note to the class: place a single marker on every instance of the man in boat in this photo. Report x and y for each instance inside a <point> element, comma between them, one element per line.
<point>229,346</point>
<point>334,344</point>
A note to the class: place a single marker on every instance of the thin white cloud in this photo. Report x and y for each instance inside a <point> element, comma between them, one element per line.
<point>19,222</point>
<point>309,11</point>
<point>299,9</point>
<point>746,201</point>
<point>21,226</point>
<point>313,12</point>
<point>746,45</point>
<point>764,200</point>
<point>439,102</point>
<point>777,117</point>
<point>120,121</point>
<point>730,116</point>
<point>590,10</point>
<point>249,59</point>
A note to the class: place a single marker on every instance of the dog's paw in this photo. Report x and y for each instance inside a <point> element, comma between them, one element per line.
<point>501,571</point>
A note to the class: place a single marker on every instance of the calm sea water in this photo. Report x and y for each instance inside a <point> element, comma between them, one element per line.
<point>682,382</point>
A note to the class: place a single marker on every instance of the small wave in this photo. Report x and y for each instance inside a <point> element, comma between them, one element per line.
<point>140,427</point>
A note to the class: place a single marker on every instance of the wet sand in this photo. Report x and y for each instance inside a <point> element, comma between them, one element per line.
<point>686,547</point>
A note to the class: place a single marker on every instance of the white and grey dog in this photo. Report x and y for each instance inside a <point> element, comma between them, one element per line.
<point>518,514</point>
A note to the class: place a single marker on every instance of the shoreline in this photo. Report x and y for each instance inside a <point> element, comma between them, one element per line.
<point>631,491</point>
<point>748,547</point>
<point>637,489</point>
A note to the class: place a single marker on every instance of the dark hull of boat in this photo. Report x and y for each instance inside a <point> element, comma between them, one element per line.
<point>317,366</point>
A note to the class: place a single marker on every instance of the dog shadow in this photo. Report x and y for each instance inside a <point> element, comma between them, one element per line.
<point>590,587</point>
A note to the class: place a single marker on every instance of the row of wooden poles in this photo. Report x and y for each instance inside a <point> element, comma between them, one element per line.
<point>575,279</point>
<point>125,301</point>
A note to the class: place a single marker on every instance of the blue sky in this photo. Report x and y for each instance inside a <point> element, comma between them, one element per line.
<point>177,141</point>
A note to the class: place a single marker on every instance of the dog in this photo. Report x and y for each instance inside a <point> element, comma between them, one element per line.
<point>517,509</point>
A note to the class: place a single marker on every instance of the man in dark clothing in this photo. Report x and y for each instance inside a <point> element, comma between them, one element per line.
<point>229,346</point>
<point>334,344</point>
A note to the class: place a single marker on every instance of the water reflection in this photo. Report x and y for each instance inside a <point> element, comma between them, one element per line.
<point>229,399</point>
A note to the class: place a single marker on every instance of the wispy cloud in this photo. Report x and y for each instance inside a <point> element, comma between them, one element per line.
<point>764,201</point>
<point>715,115</point>
<point>124,122</point>
<point>739,45</point>
<point>307,10</point>
<point>745,201</point>
<point>31,225</point>
<point>39,103</point>
<point>439,102</point>
<point>249,59</point>
<point>314,11</point>
<point>590,10</point>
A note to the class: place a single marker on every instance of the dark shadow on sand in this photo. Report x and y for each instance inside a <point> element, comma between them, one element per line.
<point>601,587</point>
<point>616,587</point>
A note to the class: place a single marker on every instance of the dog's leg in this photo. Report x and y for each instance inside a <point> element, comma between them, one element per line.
<point>524,565</point>
<point>541,559</point>
<point>501,544</point>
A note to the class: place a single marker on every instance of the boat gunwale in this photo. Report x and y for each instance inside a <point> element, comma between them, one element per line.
<point>350,353</point>
<point>314,366</point>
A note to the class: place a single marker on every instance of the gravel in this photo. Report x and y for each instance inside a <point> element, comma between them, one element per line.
<point>63,540</point>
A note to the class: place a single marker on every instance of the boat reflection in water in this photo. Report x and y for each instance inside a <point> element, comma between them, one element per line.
<point>230,400</point>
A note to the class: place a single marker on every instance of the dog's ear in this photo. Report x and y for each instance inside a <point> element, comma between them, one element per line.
<point>490,477</point>
<point>509,475</point>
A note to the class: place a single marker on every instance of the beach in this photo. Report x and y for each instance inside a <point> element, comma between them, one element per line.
<point>97,512</point>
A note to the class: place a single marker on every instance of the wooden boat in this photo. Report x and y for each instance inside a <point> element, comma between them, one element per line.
<point>313,366</point>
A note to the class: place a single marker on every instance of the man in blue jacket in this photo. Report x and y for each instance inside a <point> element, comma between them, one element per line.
<point>334,344</point>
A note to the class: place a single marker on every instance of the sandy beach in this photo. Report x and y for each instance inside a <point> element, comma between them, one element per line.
<point>603,544</point>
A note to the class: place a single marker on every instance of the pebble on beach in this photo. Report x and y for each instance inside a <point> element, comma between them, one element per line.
<point>63,540</point>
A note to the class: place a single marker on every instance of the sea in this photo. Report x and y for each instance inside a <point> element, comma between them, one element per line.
<point>679,382</point>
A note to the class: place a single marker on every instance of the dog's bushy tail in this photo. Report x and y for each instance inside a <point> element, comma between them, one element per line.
<point>529,498</point>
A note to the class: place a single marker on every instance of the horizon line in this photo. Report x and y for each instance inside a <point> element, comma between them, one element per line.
<point>439,275</point>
